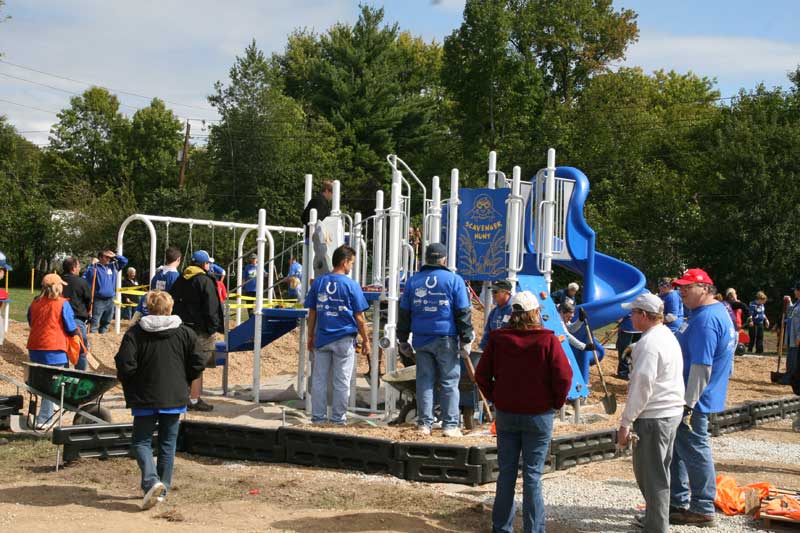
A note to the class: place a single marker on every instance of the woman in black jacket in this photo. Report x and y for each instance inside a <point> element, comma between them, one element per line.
<point>155,364</point>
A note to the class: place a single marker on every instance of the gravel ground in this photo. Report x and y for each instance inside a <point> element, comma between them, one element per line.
<point>586,499</point>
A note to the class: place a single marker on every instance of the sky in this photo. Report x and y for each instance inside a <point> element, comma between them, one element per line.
<point>176,49</point>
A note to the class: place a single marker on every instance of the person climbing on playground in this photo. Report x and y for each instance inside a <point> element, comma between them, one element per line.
<point>101,276</point>
<point>197,304</point>
<point>673,306</point>
<point>501,312</point>
<point>249,274</point>
<point>321,202</point>
<point>336,306</point>
<point>293,278</point>
<point>741,312</point>
<point>654,408</point>
<point>568,295</point>
<point>757,322</point>
<point>129,301</point>
<point>627,334</point>
<point>51,322</point>
<point>436,308</point>
<point>566,312</point>
<point>156,362</point>
<point>525,373</point>
<point>163,279</point>
<point>708,340</point>
<point>79,294</point>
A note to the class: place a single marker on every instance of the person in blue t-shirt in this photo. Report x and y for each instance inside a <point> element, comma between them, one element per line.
<point>336,306</point>
<point>758,322</point>
<point>436,308</point>
<point>498,317</point>
<point>163,279</point>
<point>249,274</point>
<point>293,277</point>
<point>708,341</point>
<point>101,276</point>
<point>673,306</point>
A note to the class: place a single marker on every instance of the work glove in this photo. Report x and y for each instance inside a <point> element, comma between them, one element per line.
<point>687,416</point>
<point>406,350</point>
<point>670,318</point>
<point>465,350</point>
<point>590,347</point>
<point>581,315</point>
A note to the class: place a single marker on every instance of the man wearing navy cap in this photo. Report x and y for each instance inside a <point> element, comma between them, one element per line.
<point>436,308</point>
<point>501,312</point>
<point>198,305</point>
<point>708,340</point>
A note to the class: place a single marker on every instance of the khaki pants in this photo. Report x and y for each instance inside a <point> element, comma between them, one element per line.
<point>206,345</point>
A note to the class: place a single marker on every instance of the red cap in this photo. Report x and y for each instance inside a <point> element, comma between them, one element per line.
<point>693,275</point>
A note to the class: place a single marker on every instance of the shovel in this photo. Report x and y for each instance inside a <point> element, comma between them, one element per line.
<point>775,376</point>
<point>471,372</point>
<point>609,400</point>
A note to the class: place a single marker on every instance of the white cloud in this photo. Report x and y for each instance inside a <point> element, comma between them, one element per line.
<point>715,56</point>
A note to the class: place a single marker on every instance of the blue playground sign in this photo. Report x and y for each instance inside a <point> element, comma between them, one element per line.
<point>482,234</point>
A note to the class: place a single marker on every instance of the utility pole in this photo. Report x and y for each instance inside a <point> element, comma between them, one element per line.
<point>184,156</point>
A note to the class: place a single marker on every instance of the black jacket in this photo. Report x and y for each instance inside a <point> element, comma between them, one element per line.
<point>197,301</point>
<point>156,367</point>
<point>79,295</point>
<point>320,204</point>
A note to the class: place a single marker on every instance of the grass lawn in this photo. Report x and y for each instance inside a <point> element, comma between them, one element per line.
<point>20,300</point>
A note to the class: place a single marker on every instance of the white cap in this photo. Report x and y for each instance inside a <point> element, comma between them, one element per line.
<point>525,301</point>
<point>573,287</point>
<point>646,302</point>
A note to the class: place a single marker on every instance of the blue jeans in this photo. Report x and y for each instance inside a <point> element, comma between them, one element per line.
<point>692,470</point>
<point>102,314</point>
<point>438,359</point>
<point>791,365</point>
<point>335,359</point>
<point>530,436</point>
<point>82,364</point>
<point>47,407</point>
<point>143,427</point>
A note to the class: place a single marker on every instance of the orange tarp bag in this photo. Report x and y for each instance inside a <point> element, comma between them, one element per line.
<point>785,506</point>
<point>731,498</point>
<point>74,346</point>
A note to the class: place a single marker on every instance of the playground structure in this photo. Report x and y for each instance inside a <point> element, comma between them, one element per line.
<point>540,225</point>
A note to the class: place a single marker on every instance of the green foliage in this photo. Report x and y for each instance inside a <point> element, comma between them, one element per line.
<point>154,141</point>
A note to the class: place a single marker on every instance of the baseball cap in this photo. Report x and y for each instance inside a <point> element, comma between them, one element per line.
<point>3,264</point>
<point>646,302</point>
<point>693,275</point>
<point>52,279</point>
<point>501,285</point>
<point>665,282</point>
<point>434,252</point>
<point>253,256</point>
<point>200,257</point>
<point>524,301</point>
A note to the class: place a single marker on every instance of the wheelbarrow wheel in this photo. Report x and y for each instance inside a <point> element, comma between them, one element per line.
<point>99,411</point>
<point>407,414</point>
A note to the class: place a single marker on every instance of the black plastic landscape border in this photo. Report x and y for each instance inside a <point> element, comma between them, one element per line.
<point>415,461</point>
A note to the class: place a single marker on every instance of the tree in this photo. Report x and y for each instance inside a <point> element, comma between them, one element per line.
<point>264,144</point>
<point>153,143</point>
<point>88,143</point>
<point>368,81</point>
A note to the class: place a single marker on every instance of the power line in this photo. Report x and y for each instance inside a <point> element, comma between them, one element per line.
<point>29,106</point>
<point>120,91</point>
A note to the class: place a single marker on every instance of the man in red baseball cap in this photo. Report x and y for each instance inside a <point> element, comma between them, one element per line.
<point>708,341</point>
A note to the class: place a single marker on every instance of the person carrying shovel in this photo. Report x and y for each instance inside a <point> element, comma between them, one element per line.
<point>654,408</point>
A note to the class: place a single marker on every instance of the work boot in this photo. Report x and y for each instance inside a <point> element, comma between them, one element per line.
<point>692,519</point>
<point>199,406</point>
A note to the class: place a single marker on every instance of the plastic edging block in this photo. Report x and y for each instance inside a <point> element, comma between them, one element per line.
<point>420,470</point>
<point>432,454</point>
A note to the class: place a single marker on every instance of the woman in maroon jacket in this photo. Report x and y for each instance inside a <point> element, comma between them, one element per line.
<point>524,371</point>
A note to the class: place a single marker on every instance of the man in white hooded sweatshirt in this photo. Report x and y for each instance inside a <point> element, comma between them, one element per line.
<point>654,408</point>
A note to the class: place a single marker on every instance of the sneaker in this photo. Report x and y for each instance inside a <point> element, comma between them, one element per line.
<point>424,430</point>
<point>452,433</point>
<point>151,496</point>
<point>199,406</point>
<point>692,519</point>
